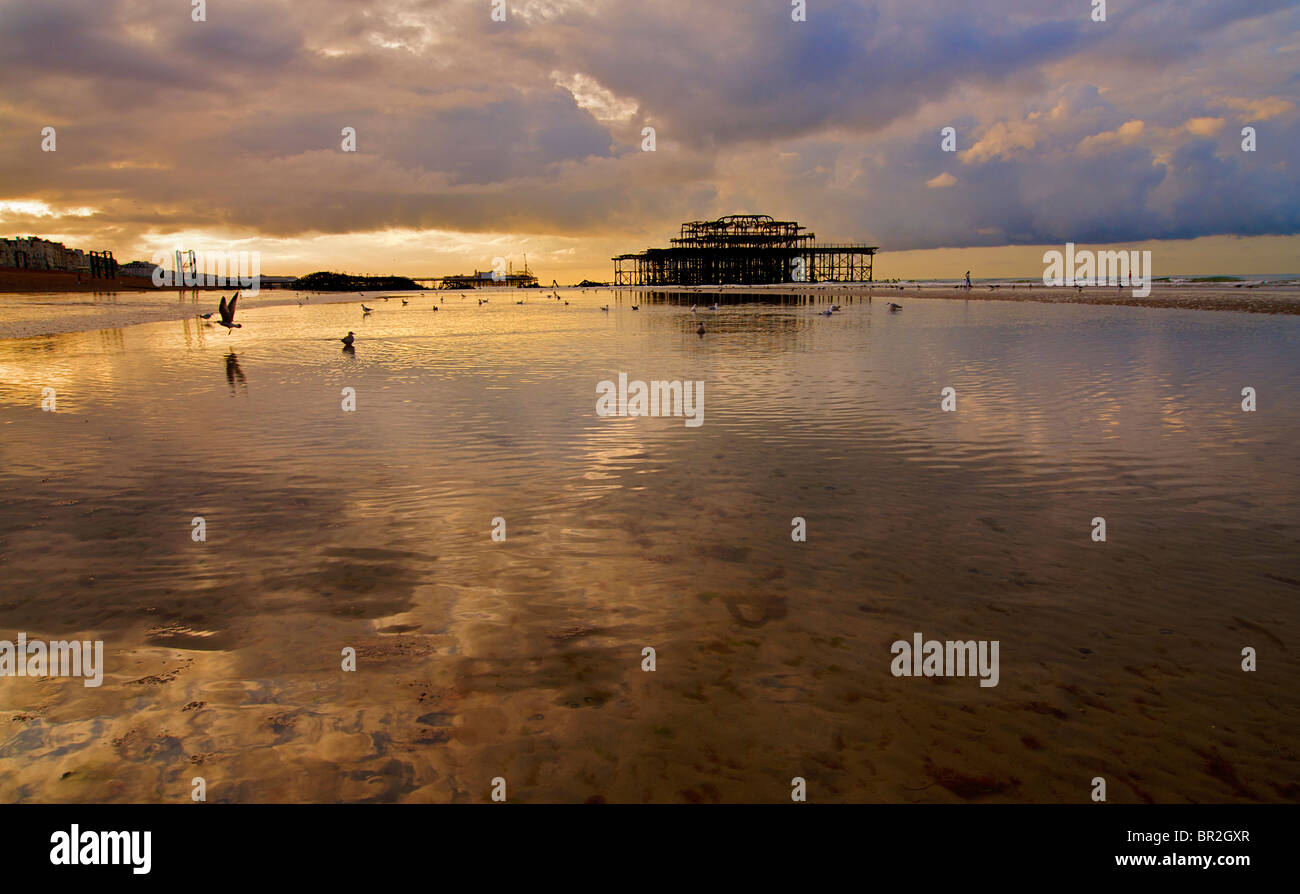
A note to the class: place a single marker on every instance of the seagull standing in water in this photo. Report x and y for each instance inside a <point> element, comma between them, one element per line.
<point>893,307</point>
<point>227,313</point>
<point>348,340</point>
<point>366,310</point>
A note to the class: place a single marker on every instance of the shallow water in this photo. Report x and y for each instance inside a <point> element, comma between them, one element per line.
<point>522,659</point>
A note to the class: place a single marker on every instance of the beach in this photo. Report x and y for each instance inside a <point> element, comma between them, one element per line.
<point>372,530</point>
<point>1263,299</point>
<point>15,280</point>
<point>1276,297</point>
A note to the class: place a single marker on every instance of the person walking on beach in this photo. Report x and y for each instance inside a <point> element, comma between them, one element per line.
<point>968,279</point>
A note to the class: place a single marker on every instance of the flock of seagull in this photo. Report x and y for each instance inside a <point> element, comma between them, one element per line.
<point>226,313</point>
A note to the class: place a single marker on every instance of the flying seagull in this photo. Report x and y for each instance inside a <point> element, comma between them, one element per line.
<point>348,340</point>
<point>227,313</point>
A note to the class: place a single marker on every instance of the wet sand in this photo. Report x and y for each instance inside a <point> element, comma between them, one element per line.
<point>14,279</point>
<point>1259,300</point>
<point>1244,298</point>
<point>522,658</point>
<point>32,314</point>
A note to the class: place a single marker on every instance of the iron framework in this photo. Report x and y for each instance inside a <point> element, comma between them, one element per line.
<point>746,249</point>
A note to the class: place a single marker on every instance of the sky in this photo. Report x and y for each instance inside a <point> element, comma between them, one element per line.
<point>477,138</point>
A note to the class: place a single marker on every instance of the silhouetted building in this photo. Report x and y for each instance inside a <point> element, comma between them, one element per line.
<point>35,253</point>
<point>746,249</point>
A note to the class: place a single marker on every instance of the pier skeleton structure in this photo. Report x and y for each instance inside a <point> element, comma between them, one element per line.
<point>744,249</point>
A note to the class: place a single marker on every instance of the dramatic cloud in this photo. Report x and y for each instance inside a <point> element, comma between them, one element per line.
<point>528,133</point>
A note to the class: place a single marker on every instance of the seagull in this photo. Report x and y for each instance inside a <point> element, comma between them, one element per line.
<point>566,304</point>
<point>206,316</point>
<point>714,307</point>
<point>348,340</point>
<point>634,307</point>
<point>693,306</point>
<point>825,313</point>
<point>518,302</point>
<point>435,307</point>
<point>700,331</point>
<point>606,307</point>
<point>403,302</point>
<point>893,307</point>
<point>227,312</point>
<point>835,307</point>
<point>365,309</point>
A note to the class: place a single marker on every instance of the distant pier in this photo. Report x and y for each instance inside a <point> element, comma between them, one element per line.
<point>744,249</point>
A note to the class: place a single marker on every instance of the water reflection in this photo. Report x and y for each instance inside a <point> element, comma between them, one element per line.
<point>234,374</point>
<point>372,530</point>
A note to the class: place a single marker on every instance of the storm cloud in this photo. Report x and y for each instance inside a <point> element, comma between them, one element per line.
<point>1067,129</point>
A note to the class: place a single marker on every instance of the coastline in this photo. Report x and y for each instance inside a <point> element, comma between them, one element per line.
<point>1271,299</point>
<point>104,309</point>
<point>96,314</point>
<point>13,279</point>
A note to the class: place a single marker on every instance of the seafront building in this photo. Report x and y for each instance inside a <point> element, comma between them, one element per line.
<point>137,268</point>
<point>35,253</point>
